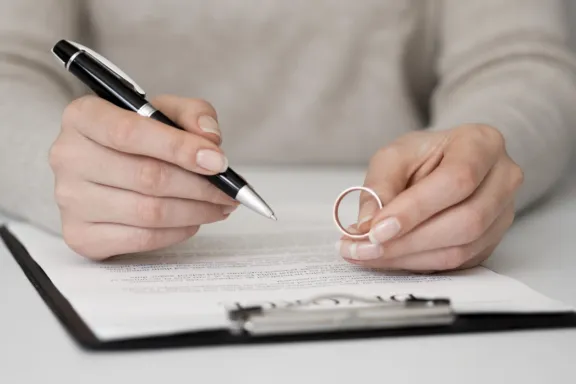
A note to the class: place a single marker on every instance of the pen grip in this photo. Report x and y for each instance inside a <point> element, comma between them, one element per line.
<point>159,116</point>
<point>228,181</point>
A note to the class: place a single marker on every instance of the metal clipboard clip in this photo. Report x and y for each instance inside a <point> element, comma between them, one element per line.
<point>373,314</point>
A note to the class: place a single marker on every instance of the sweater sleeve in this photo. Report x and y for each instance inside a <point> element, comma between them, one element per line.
<point>33,92</point>
<point>507,64</point>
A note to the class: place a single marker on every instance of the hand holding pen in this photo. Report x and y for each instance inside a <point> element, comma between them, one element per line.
<point>131,182</point>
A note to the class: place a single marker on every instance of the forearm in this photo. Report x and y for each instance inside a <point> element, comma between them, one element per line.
<point>515,73</point>
<point>31,106</point>
<point>531,104</point>
<point>33,93</point>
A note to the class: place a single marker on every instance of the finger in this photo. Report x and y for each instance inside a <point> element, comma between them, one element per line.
<point>454,258</point>
<point>388,174</point>
<point>101,241</point>
<point>481,257</point>
<point>95,163</point>
<point>352,230</point>
<point>462,223</point>
<point>463,167</point>
<point>395,168</point>
<point>194,115</point>
<point>358,251</point>
<point>129,132</point>
<point>100,204</point>
<point>442,259</point>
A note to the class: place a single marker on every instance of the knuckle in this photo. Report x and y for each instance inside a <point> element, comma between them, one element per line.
<point>75,109</point>
<point>474,223</point>
<point>75,236</point>
<point>73,239</point>
<point>453,258</point>
<point>464,179</point>
<point>64,195</point>
<point>497,138</point>
<point>177,148</point>
<point>144,239</point>
<point>392,151</point>
<point>151,211</point>
<point>509,217</point>
<point>193,230</point>
<point>69,233</point>
<point>120,134</point>
<point>486,133</point>
<point>58,156</point>
<point>69,114</point>
<point>64,153</point>
<point>205,192</point>
<point>516,176</point>
<point>151,176</point>
<point>492,134</point>
<point>417,208</point>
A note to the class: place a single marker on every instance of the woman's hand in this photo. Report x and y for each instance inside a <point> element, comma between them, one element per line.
<point>126,183</point>
<point>448,201</point>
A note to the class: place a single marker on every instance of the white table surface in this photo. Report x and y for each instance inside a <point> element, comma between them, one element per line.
<point>540,250</point>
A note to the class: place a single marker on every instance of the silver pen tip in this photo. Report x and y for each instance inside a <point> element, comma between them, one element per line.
<point>250,199</point>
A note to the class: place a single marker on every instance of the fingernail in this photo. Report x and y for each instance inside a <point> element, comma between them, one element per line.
<point>361,251</point>
<point>228,209</point>
<point>211,160</point>
<point>367,251</point>
<point>384,231</point>
<point>209,125</point>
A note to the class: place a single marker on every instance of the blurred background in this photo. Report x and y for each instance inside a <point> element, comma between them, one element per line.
<point>571,4</point>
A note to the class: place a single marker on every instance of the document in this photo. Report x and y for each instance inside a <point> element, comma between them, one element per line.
<point>190,286</point>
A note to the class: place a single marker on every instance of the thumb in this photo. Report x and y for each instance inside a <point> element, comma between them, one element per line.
<point>388,175</point>
<point>193,115</point>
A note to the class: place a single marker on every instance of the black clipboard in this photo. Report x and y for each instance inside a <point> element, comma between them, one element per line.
<point>443,321</point>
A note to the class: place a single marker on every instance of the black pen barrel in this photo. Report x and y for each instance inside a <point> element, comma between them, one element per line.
<point>229,181</point>
<point>105,83</point>
<point>109,86</point>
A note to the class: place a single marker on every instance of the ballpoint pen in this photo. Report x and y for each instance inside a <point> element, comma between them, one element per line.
<point>113,85</point>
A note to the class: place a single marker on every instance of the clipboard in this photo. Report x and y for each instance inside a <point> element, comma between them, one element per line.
<point>413,316</point>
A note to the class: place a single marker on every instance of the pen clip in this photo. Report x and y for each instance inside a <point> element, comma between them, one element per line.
<point>113,68</point>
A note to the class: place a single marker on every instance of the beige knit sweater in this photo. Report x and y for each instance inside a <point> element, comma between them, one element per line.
<point>298,81</point>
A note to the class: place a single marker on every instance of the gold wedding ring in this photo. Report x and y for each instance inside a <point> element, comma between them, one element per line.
<point>337,206</point>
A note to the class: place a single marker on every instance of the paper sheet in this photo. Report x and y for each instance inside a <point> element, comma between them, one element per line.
<point>189,286</point>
